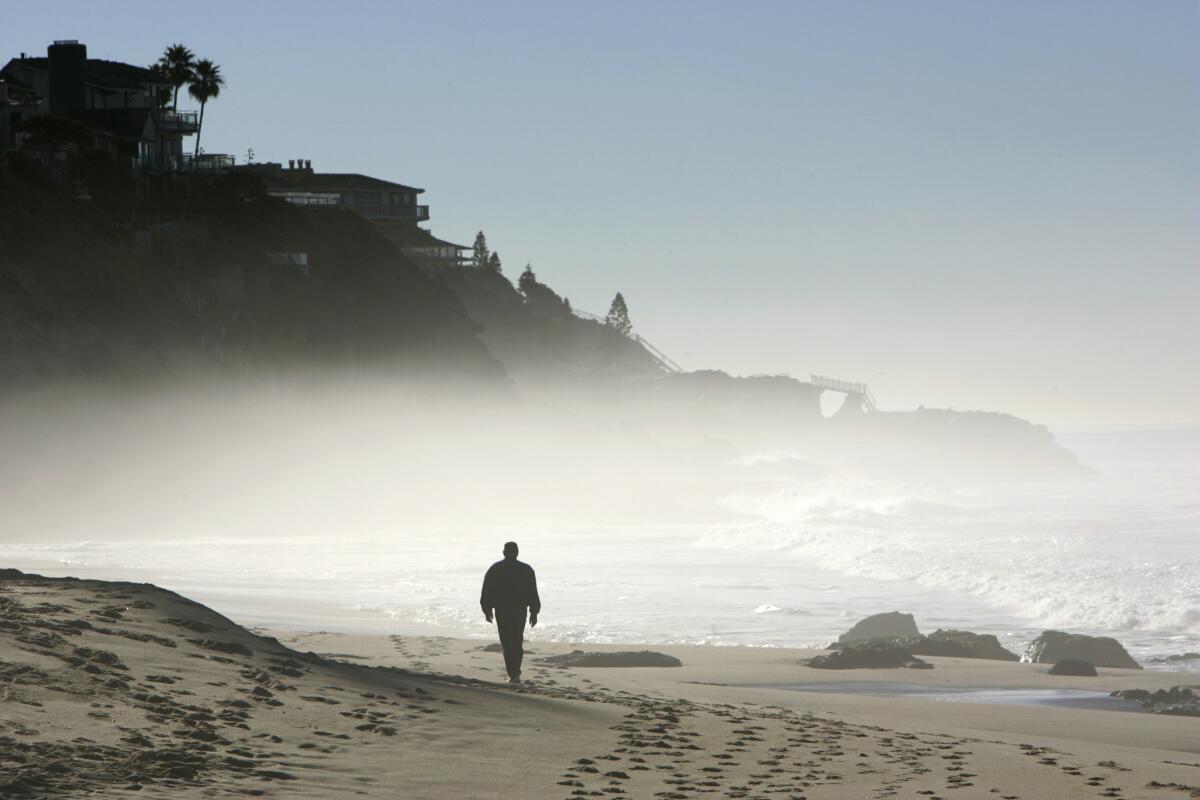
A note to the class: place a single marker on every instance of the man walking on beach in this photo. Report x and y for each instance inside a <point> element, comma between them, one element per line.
<point>509,590</point>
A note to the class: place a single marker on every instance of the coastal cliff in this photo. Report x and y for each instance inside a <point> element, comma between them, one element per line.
<point>222,280</point>
<point>225,281</point>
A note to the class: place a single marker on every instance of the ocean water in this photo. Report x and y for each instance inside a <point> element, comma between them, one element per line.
<point>1116,554</point>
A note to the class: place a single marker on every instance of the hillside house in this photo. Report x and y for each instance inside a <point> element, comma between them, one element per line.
<point>393,207</point>
<point>377,200</point>
<point>121,105</point>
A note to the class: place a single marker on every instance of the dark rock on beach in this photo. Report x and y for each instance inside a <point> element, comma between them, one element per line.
<point>962,644</point>
<point>1074,666</point>
<point>1175,658</point>
<point>890,625</point>
<point>900,630</point>
<point>1178,700</point>
<point>877,654</point>
<point>1102,651</point>
<point>640,658</point>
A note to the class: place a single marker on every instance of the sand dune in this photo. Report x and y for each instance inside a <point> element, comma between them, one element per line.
<point>111,689</point>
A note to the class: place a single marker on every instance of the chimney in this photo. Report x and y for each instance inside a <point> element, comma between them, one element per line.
<point>308,164</point>
<point>291,163</point>
<point>68,62</point>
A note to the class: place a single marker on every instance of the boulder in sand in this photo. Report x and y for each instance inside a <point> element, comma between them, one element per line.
<point>962,644</point>
<point>1178,700</point>
<point>877,654</point>
<point>1074,666</point>
<point>1102,651</point>
<point>891,625</point>
<point>640,658</point>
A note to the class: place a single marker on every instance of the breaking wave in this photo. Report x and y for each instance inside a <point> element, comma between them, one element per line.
<point>1055,561</point>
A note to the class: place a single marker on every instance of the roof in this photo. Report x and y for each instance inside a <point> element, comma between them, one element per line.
<point>11,79</point>
<point>109,74</point>
<point>419,237</point>
<point>18,93</point>
<point>303,180</point>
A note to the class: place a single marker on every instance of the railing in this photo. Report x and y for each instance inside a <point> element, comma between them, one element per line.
<point>319,199</point>
<point>662,359</point>
<point>387,211</point>
<point>178,121</point>
<point>209,162</point>
<point>847,387</point>
<point>664,362</point>
<point>212,162</point>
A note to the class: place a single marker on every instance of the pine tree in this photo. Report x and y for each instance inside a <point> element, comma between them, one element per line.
<point>618,316</point>
<point>527,283</point>
<point>479,255</point>
<point>494,263</point>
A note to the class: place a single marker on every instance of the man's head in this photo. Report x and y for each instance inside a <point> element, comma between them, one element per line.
<point>511,550</point>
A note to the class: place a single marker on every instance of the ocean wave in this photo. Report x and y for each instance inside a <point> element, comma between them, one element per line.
<point>1055,566</point>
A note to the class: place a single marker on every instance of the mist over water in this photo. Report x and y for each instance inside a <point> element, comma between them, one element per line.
<point>378,519</point>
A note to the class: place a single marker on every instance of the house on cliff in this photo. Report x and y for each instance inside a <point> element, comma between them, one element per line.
<point>121,106</point>
<point>393,207</point>
<point>18,102</point>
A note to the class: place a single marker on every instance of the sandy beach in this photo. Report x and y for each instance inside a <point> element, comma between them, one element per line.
<point>117,690</point>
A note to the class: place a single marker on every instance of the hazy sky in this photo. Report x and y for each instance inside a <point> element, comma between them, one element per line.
<point>975,205</point>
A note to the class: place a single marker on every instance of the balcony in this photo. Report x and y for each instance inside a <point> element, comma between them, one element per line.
<point>212,162</point>
<point>205,163</point>
<point>380,211</point>
<point>181,122</point>
<point>312,199</point>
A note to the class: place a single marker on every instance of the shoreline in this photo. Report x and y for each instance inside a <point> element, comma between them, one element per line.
<point>112,688</point>
<point>288,605</point>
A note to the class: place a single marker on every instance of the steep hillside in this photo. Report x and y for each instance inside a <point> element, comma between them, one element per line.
<point>203,283</point>
<point>539,337</point>
<point>533,332</point>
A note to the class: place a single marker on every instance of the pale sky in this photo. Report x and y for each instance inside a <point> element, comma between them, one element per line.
<point>965,204</point>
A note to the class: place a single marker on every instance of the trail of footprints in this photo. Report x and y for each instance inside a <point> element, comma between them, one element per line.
<point>659,752</point>
<point>771,752</point>
<point>175,738</point>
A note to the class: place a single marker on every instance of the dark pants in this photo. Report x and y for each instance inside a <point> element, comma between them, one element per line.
<point>511,624</point>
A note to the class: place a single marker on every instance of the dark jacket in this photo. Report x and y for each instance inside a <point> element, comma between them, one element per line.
<point>510,585</point>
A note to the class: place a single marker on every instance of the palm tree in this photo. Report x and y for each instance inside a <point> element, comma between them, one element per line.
<point>162,94</point>
<point>205,85</point>
<point>177,64</point>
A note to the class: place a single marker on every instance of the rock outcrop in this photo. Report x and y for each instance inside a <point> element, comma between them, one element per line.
<point>896,630</point>
<point>962,644</point>
<point>1074,666</point>
<point>890,625</point>
<point>1178,700</point>
<point>877,654</point>
<point>1102,651</point>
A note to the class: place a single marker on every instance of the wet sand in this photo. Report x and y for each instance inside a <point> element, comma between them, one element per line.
<point>125,690</point>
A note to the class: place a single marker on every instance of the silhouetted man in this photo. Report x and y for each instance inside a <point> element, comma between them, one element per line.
<point>509,590</point>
